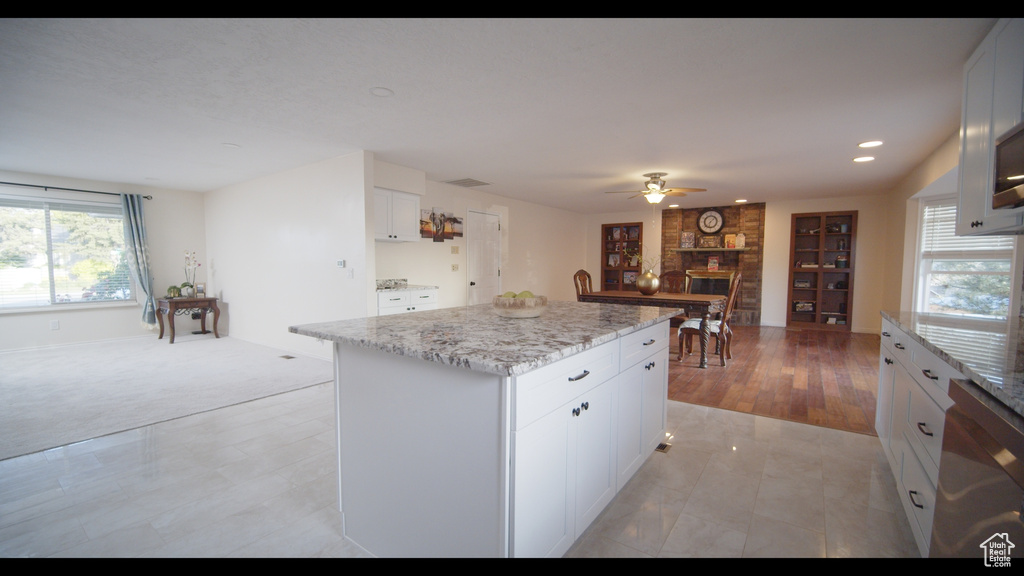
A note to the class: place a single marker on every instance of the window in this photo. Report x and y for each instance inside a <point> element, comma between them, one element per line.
<point>56,252</point>
<point>964,276</point>
<point>964,286</point>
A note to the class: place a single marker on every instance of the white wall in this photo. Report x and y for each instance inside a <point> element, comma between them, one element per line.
<point>869,283</point>
<point>273,246</point>
<point>175,222</point>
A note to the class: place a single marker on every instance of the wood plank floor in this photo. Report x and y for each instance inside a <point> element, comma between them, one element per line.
<point>823,378</point>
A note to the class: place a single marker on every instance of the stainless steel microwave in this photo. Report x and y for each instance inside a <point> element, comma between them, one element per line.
<point>1008,180</point>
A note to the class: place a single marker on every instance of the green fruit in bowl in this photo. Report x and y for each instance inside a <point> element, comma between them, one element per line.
<point>525,294</point>
<point>509,294</point>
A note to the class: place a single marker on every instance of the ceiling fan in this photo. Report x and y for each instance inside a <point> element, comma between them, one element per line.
<point>655,189</point>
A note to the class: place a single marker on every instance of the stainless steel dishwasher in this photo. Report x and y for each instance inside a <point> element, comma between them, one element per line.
<point>980,495</point>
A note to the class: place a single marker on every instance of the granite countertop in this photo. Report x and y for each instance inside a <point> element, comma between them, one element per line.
<point>1002,379</point>
<point>395,284</point>
<point>475,337</point>
<point>407,288</point>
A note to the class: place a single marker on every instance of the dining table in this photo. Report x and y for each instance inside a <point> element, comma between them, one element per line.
<point>702,305</point>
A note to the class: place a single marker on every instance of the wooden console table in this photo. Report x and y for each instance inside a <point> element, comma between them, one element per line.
<point>179,306</point>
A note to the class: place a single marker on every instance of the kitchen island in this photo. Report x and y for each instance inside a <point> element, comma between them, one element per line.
<point>462,433</point>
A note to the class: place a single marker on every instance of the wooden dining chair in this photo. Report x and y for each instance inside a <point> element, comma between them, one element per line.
<point>583,283</point>
<point>719,328</point>
<point>674,282</point>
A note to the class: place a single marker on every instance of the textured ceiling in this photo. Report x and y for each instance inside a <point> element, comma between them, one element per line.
<point>553,111</point>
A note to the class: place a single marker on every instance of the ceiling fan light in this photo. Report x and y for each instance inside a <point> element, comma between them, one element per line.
<point>654,197</point>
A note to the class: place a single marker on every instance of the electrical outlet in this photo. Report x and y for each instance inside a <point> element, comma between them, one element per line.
<point>455,249</point>
<point>455,267</point>
<point>54,324</point>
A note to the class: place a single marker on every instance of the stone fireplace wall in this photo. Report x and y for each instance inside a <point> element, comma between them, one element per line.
<point>745,218</point>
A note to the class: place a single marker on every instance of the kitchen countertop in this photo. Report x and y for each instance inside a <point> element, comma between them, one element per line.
<point>475,337</point>
<point>1003,381</point>
<point>407,287</point>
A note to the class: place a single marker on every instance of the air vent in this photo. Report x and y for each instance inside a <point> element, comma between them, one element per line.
<point>467,183</point>
<point>663,447</point>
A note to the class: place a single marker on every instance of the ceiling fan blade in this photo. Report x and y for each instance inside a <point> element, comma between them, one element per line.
<point>670,191</point>
<point>626,192</point>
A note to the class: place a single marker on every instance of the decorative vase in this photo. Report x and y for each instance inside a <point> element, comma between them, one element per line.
<point>188,292</point>
<point>648,283</point>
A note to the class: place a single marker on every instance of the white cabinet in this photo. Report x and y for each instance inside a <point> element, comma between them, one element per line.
<point>642,393</point>
<point>396,215</point>
<point>402,301</point>
<point>886,380</point>
<point>564,461</point>
<point>993,99</point>
<point>910,419</point>
<point>609,416</point>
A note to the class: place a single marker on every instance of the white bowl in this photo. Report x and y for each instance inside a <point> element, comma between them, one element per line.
<point>520,307</point>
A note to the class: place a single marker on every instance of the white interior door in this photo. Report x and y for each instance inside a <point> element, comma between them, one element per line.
<point>483,242</point>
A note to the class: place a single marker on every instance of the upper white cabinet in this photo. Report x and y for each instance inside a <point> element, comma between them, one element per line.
<point>993,103</point>
<point>396,215</point>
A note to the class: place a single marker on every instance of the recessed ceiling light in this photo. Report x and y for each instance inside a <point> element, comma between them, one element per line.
<point>673,205</point>
<point>382,91</point>
<point>870,144</point>
<point>864,159</point>
<point>741,200</point>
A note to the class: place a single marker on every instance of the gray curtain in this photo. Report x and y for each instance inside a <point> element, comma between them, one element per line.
<point>138,254</point>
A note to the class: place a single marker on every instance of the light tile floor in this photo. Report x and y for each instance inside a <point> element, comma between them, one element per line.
<point>258,480</point>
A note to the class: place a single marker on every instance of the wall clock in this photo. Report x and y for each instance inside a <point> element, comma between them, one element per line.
<point>710,221</point>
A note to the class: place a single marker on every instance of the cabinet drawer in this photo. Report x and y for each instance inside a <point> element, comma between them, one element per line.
<point>642,343</point>
<point>901,346</point>
<point>926,421</point>
<point>918,496</point>
<point>886,335</point>
<point>930,371</point>
<point>392,298</point>
<point>421,297</point>
<point>545,389</point>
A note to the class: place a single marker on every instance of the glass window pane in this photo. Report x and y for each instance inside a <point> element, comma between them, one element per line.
<point>61,253</point>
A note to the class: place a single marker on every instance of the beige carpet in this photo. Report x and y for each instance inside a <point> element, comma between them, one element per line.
<point>55,396</point>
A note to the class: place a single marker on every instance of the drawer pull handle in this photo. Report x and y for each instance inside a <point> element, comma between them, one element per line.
<point>923,427</point>
<point>649,366</point>
<point>585,405</point>
<point>580,377</point>
<point>900,346</point>
<point>888,361</point>
<point>575,411</point>
<point>928,374</point>
<point>649,342</point>
<point>886,334</point>
<point>914,500</point>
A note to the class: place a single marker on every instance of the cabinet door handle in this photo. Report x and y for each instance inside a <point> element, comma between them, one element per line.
<point>575,411</point>
<point>649,342</point>
<point>913,500</point>
<point>886,334</point>
<point>585,405</point>
<point>928,374</point>
<point>580,377</point>
<point>900,346</point>
<point>888,361</point>
<point>923,427</point>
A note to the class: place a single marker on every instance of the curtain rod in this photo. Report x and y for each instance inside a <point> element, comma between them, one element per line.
<point>67,189</point>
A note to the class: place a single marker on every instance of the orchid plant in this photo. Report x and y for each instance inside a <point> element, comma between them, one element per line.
<point>191,264</point>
